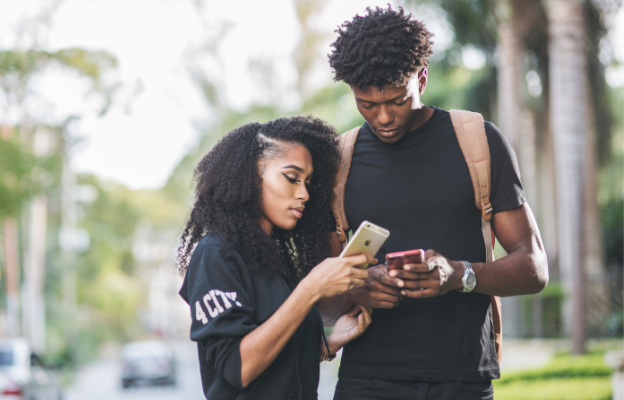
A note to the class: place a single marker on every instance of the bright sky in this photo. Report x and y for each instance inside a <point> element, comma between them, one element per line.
<point>158,106</point>
<point>153,120</point>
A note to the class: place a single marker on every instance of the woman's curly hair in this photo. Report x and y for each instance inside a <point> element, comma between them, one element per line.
<point>384,47</point>
<point>228,197</point>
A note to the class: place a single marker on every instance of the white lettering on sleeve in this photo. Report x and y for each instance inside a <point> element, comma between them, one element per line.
<point>232,296</point>
<point>216,302</point>
<point>224,298</point>
<point>213,313</point>
<point>200,315</point>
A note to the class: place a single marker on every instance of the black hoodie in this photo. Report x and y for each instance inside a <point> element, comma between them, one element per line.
<point>229,300</point>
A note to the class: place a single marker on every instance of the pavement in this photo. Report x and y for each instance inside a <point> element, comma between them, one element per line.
<point>101,379</point>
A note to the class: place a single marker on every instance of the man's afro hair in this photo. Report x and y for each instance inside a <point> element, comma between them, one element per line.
<point>384,47</point>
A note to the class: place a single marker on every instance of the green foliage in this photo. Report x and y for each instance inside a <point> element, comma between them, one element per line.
<point>551,300</point>
<point>564,377</point>
<point>15,183</point>
<point>459,88</point>
<point>111,221</point>
<point>611,186</point>
<point>560,389</point>
<point>22,175</point>
<point>563,366</point>
<point>25,64</point>
<point>88,63</point>
<point>109,292</point>
<point>18,67</point>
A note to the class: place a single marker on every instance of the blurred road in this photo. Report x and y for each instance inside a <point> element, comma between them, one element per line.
<point>101,380</point>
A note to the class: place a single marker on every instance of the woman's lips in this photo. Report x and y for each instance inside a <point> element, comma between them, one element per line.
<point>297,212</point>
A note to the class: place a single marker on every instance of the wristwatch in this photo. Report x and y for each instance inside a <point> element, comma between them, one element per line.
<point>469,279</point>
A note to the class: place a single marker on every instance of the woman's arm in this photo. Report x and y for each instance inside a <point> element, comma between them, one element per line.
<point>333,276</point>
<point>260,347</point>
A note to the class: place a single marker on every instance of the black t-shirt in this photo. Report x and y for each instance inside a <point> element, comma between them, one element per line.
<point>420,189</point>
<point>229,300</point>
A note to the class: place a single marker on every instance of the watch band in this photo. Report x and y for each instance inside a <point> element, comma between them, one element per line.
<point>469,280</point>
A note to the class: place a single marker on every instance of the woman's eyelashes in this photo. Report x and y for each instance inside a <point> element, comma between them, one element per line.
<point>291,179</point>
<point>294,180</point>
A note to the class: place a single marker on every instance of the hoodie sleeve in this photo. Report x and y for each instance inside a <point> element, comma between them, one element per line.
<point>221,308</point>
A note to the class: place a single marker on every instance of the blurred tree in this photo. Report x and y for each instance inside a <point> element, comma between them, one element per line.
<point>569,122</point>
<point>515,35</point>
<point>17,185</point>
<point>18,68</point>
<point>307,52</point>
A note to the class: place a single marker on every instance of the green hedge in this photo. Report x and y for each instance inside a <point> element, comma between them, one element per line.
<point>564,377</point>
<point>555,389</point>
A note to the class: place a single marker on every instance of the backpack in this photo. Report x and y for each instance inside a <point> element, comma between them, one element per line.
<point>470,130</point>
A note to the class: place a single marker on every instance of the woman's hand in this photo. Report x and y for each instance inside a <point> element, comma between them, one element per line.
<point>335,275</point>
<point>348,327</point>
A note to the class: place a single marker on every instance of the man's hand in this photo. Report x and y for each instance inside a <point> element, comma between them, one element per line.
<point>436,276</point>
<point>379,291</point>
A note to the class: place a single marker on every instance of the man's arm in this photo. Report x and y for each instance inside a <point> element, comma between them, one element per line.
<point>523,271</point>
<point>379,291</point>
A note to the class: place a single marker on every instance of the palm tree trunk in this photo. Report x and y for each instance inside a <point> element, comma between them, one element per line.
<point>11,261</point>
<point>593,256</point>
<point>568,96</point>
<point>508,95</point>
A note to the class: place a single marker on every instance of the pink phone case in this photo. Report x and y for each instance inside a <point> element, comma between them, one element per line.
<point>398,259</point>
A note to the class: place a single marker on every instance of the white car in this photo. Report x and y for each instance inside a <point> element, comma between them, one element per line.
<point>150,362</point>
<point>23,376</point>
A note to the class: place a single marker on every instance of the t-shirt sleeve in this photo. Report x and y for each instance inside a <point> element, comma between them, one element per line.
<point>221,308</point>
<point>507,191</point>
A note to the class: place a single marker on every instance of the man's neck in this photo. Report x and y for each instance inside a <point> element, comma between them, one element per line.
<point>421,116</point>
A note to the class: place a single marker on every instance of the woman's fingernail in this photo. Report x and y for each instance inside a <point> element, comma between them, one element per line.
<point>406,267</point>
<point>403,292</point>
<point>392,273</point>
<point>400,283</point>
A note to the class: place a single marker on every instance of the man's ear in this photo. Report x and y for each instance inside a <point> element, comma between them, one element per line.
<point>422,81</point>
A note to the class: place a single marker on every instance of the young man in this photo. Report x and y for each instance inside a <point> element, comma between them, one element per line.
<point>428,340</point>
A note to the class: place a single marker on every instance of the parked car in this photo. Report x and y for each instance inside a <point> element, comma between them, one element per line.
<point>147,362</point>
<point>23,375</point>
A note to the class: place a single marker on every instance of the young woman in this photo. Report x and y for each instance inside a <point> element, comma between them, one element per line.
<point>259,235</point>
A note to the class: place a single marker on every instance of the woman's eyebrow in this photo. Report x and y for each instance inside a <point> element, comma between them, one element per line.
<point>293,167</point>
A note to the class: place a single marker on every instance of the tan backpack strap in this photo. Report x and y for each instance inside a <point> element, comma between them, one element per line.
<point>346,145</point>
<point>470,130</point>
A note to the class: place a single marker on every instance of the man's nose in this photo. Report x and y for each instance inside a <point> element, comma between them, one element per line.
<point>385,117</point>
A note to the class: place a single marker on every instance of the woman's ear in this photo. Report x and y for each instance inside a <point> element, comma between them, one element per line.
<point>261,167</point>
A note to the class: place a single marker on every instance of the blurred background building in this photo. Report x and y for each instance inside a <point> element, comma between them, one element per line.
<point>106,107</point>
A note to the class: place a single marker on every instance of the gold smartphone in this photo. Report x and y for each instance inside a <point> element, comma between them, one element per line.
<point>368,239</point>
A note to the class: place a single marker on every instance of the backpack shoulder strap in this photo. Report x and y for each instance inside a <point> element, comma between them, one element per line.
<point>346,144</point>
<point>470,130</point>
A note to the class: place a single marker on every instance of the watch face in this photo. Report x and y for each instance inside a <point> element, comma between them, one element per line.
<point>471,281</point>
